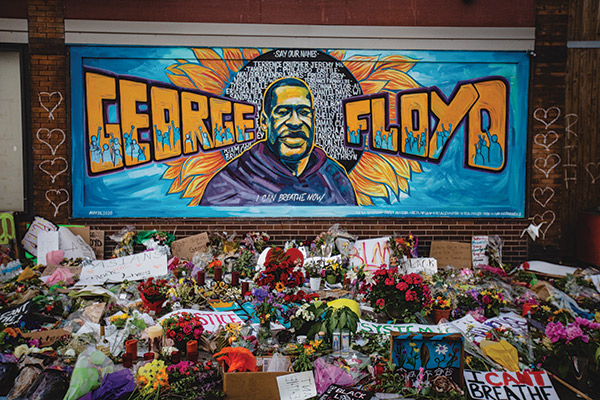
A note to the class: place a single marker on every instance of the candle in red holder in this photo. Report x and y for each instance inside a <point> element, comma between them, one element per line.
<point>200,277</point>
<point>245,287</point>
<point>131,347</point>
<point>149,356</point>
<point>218,273</point>
<point>192,346</point>
<point>235,278</point>
<point>175,357</point>
<point>128,360</point>
<point>193,357</point>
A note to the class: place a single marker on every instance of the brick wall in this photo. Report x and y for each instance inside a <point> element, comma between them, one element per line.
<point>52,185</point>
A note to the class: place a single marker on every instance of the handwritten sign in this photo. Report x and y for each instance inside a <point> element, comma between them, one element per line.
<point>46,242</point>
<point>298,386</point>
<point>30,239</point>
<point>211,320</point>
<point>427,265</point>
<point>478,247</point>
<point>131,268</point>
<point>527,385</point>
<point>186,248</point>
<point>372,327</point>
<point>430,354</point>
<point>74,246</point>
<point>48,337</point>
<point>476,330</point>
<point>13,316</point>
<point>97,243</point>
<point>454,254</point>
<point>370,252</point>
<point>335,392</point>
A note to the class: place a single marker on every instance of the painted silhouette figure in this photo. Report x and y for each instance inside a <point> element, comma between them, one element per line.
<point>95,147</point>
<point>176,133</point>
<point>159,137</point>
<point>442,136</point>
<point>495,151</point>
<point>188,142</point>
<point>205,141</point>
<point>106,156</point>
<point>116,151</point>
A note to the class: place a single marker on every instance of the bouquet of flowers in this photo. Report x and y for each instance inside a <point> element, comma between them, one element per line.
<point>282,269</point>
<point>119,320</point>
<point>153,293</point>
<point>440,302</point>
<point>323,245</point>
<point>305,353</point>
<point>255,241</point>
<point>180,268</point>
<point>201,381</point>
<point>313,269</point>
<point>403,246</point>
<point>399,296</point>
<point>182,328</point>
<point>183,291</point>
<point>487,302</point>
<point>333,272</point>
<point>245,263</point>
<point>151,379</point>
<point>267,305</point>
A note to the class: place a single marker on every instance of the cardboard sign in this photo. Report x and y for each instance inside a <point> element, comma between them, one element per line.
<point>335,392</point>
<point>80,230</point>
<point>527,385</point>
<point>13,316</point>
<point>478,246</point>
<point>30,239</point>
<point>211,320</point>
<point>97,243</point>
<point>7,228</point>
<point>454,254</point>
<point>298,386</point>
<point>372,327</point>
<point>184,249</point>
<point>370,252</point>
<point>251,385</point>
<point>432,354</point>
<point>427,265</point>
<point>46,338</point>
<point>131,268</point>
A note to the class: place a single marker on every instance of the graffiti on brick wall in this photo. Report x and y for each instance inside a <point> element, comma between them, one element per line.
<point>53,139</point>
<point>550,160</point>
<point>231,132</point>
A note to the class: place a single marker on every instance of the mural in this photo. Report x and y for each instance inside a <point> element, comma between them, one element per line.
<point>210,132</point>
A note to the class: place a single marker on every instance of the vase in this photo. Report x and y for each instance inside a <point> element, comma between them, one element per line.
<point>315,283</point>
<point>438,315</point>
<point>152,306</point>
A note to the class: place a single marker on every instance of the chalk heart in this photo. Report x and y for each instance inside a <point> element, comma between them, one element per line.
<point>48,134</point>
<point>547,164</point>
<point>547,116</point>
<point>50,102</point>
<point>547,218</point>
<point>543,196</point>
<point>47,166</point>
<point>541,139</point>
<point>593,169</point>
<point>55,197</point>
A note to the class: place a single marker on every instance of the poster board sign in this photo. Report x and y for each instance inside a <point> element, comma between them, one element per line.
<point>373,327</point>
<point>46,242</point>
<point>97,243</point>
<point>131,268</point>
<point>427,265</point>
<point>73,245</point>
<point>210,320</point>
<point>13,316</point>
<point>478,247</point>
<point>38,225</point>
<point>185,248</point>
<point>297,386</point>
<point>454,254</point>
<point>438,355</point>
<point>335,392</point>
<point>370,252</point>
<point>527,385</point>
<point>476,331</point>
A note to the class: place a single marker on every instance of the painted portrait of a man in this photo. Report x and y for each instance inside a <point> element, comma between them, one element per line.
<point>287,167</point>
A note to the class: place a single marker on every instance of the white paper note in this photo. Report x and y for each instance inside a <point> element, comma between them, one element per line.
<point>298,386</point>
<point>46,242</point>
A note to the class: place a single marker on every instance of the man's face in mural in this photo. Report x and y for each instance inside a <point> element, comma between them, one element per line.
<point>288,121</point>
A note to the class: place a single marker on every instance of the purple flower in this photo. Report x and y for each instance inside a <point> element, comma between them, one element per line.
<point>555,331</point>
<point>573,331</point>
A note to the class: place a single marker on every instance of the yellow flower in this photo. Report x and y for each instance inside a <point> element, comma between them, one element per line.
<point>412,344</point>
<point>279,287</point>
<point>416,350</point>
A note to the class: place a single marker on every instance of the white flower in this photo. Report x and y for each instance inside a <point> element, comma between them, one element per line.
<point>441,349</point>
<point>351,274</point>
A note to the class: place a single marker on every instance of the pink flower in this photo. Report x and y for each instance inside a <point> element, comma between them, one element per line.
<point>402,286</point>
<point>187,329</point>
<point>389,281</point>
<point>380,303</point>
<point>573,331</point>
<point>197,333</point>
<point>555,331</point>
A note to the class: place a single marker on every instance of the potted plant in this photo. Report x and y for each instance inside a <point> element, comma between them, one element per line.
<point>153,293</point>
<point>313,270</point>
<point>440,308</point>
<point>333,271</point>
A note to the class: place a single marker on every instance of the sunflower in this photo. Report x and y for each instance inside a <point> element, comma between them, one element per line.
<point>279,287</point>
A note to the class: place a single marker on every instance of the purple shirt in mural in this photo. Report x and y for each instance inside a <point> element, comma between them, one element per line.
<point>257,177</point>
